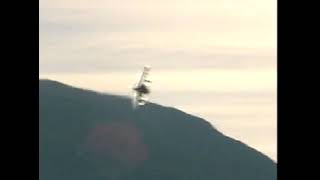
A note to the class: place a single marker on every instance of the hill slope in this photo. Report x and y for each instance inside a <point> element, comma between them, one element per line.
<point>84,135</point>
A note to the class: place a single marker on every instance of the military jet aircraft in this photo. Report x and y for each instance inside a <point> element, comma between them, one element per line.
<point>141,89</point>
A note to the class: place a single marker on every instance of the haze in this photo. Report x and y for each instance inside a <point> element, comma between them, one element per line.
<point>215,59</point>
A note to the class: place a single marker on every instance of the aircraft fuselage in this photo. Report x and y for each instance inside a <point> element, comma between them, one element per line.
<point>143,89</point>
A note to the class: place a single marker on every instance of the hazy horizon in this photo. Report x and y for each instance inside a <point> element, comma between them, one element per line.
<point>214,59</point>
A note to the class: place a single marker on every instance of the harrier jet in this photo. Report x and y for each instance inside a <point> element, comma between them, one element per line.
<point>141,89</point>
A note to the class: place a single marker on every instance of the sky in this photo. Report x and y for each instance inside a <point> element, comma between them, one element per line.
<point>216,59</point>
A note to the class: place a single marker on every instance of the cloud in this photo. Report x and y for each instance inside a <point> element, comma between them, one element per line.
<point>109,35</point>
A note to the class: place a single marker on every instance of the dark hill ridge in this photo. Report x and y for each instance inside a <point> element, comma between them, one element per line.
<point>85,135</point>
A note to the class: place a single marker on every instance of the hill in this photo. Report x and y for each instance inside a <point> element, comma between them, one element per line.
<point>85,135</point>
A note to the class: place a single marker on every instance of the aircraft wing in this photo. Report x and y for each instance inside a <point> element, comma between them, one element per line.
<point>145,72</point>
<point>135,100</point>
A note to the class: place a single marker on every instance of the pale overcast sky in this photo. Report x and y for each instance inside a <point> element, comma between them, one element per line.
<point>212,58</point>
